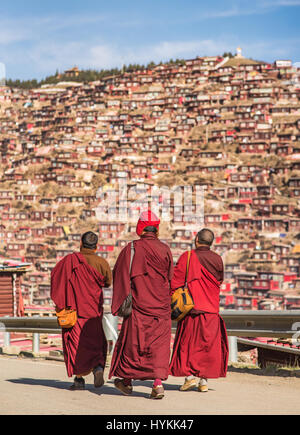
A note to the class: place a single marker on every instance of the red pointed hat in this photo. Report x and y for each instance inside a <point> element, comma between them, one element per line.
<point>147,219</point>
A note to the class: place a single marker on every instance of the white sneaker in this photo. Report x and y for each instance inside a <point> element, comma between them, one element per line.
<point>189,384</point>
<point>202,386</point>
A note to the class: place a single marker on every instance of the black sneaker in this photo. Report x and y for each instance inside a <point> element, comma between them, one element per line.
<point>79,384</point>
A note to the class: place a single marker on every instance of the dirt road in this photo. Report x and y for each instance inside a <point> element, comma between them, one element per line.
<point>31,386</point>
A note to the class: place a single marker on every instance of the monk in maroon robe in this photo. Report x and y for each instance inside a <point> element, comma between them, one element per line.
<point>76,283</point>
<point>200,346</point>
<point>142,350</point>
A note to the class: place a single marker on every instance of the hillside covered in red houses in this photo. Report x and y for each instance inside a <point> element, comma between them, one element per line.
<point>230,125</point>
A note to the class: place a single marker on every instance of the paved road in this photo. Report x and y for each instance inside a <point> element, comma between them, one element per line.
<point>29,386</point>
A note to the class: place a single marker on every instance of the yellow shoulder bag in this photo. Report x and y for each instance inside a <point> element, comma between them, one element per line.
<point>181,300</point>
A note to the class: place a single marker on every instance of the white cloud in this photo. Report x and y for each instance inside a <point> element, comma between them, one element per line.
<point>257,7</point>
<point>285,3</point>
<point>46,57</point>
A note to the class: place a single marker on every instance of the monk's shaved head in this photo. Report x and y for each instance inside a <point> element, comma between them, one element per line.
<point>89,240</point>
<point>205,237</point>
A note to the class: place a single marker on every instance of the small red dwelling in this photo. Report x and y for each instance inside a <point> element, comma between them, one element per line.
<point>212,219</point>
<point>264,256</point>
<point>239,177</point>
<point>292,301</point>
<point>227,300</point>
<point>258,179</point>
<point>23,197</point>
<point>188,152</point>
<point>14,250</point>
<point>265,190</point>
<point>247,192</point>
<point>263,205</point>
<point>243,245</point>
<point>183,234</point>
<point>235,206</point>
<point>87,213</point>
<point>248,224</point>
<point>254,147</point>
<point>294,182</point>
<point>39,216</point>
<point>104,249</point>
<point>294,224</point>
<point>37,232</point>
<point>232,192</point>
<point>6,194</point>
<point>110,230</point>
<point>63,199</point>
<point>245,302</point>
<point>292,263</point>
<point>254,287</point>
<point>22,216</point>
<point>54,231</point>
<point>220,192</point>
<point>11,300</point>
<point>261,201</point>
<point>295,192</point>
<point>282,209</point>
<point>274,224</point>
<point>34,248</point>
<point>228,225</point>
<point>281,250</point>
<point>63,179</point>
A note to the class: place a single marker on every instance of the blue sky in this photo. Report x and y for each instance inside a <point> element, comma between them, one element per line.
<point>37,38</point>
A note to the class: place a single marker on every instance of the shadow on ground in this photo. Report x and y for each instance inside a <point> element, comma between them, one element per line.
<point>107,389</point>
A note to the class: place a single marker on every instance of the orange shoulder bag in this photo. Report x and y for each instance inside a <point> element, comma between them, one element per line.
<point>66,318</point>
<point>181,300</point>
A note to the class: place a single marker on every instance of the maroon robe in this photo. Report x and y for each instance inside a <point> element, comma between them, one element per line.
<point>142,350</point>
<point>75,284</point>
<point>200,346</point>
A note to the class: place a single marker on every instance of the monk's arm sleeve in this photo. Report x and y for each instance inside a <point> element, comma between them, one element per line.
<point>178,279</point>
<point>60,290</point>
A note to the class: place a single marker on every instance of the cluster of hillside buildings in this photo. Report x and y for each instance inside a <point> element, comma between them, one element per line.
<point>229,125</point>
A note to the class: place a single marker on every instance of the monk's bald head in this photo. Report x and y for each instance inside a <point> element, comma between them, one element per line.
<point>205,237</point>
<point>89,240</point>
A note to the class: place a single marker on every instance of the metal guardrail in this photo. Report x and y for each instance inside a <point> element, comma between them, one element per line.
<point>262,323</point>
<point>48,325</point>
<point>34,324</point>
<point>277,324</point>
<point>269,346</point>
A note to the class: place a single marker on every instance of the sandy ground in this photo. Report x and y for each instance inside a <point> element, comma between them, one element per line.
<point>32,386</point>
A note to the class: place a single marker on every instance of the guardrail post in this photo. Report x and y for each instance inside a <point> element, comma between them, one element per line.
<point>233,349</point>
<point>35,342</point>
<point>110,327</point>
<point>6,341</point>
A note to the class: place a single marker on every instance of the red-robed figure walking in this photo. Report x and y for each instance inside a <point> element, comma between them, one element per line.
<point>143,347</point>
<point>76,283</point>
<point>200,346</point>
